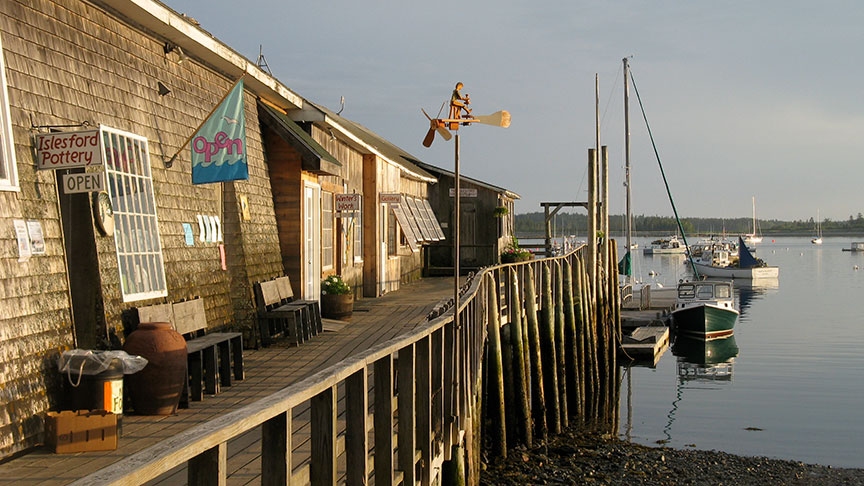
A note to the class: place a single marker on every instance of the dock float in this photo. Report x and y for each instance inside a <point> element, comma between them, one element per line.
<point>645,344</point>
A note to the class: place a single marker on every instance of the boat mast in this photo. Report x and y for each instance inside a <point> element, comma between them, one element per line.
<point>629,237</point>
<point>754,216</point>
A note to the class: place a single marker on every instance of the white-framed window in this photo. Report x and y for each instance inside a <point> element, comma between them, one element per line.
<point>358,233</point>
<point>392,234</point>
<point>136,228</point>
<point>327,252</point>
<point>8,168</point>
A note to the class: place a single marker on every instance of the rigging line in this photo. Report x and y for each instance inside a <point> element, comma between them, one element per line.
<point>663,173</point>
<point>609,100</point>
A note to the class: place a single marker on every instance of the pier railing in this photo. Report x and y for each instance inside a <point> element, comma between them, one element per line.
<point>423,416</point>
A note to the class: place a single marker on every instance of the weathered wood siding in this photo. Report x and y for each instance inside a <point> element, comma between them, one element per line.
<point>69,61</point>
<point>287,187</point>
<point>480,239</point>
<point>349,260</point>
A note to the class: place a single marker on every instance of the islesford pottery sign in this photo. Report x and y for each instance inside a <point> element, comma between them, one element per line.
<point>65,150</point>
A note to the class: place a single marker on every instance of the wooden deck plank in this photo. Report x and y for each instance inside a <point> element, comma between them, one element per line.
<point>267,371</point>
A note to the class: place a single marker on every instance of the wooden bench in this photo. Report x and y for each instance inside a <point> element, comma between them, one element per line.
<point>279,313</point>
<point>210,356</point>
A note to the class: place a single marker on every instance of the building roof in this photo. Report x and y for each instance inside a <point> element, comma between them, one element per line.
<point>315,157</point>
<point>184,32</point>
<point>364,139</point>
<point>438,170</point>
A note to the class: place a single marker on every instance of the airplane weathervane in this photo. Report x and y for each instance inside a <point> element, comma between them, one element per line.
<point>461,114</point>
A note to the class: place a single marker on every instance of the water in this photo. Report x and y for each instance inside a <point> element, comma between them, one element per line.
<point>795,388</point>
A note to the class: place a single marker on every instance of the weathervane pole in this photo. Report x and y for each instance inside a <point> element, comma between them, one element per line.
<point>456,221</point>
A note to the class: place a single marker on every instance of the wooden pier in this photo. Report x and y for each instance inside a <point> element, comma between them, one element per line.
<point>268,370</point>
<point>392,397</point>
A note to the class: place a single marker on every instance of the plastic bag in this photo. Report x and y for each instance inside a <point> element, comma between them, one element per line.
<point>89,362</point>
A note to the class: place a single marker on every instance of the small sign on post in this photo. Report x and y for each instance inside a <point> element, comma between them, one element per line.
<point>347,202</point>
<point>83,182</point>
<point>390,198</point>
<point>63,150</point>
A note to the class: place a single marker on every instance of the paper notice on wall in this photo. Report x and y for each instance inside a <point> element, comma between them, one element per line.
<point>187,234</point>
<point>37,238</point>
<point>24,251</point>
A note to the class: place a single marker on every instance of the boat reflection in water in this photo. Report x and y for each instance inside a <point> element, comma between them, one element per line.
<point>709,360</point>
<point>706,362</point>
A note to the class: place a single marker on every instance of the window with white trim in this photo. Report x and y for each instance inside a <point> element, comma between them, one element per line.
<point>358,233</point>
<point>136,228</point>
<point>392,233</point>
<point>8,169</point>
<point>326,230</point>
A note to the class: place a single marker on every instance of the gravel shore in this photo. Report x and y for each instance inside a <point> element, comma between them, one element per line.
<point>590,459</point>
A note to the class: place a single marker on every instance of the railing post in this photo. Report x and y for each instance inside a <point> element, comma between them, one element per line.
<point>383,417</point>
<point>276,450</point>
<point>407,444</point>
<point>210,468</point>
<point>356,430</point>
<point>437,361</point>
<point>450,386</point>
<point>322,468</point>
<point>424,408</point>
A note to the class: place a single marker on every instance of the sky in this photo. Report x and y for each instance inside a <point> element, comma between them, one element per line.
<point>744,98</point>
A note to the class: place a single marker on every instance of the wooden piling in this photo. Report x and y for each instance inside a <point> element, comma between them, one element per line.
<point>589,343</point>
<point>581,350</point>
<point>571,351</point>
<point>538,401</point>
<point>496,404</point>
<point>523,409</point>
<point>563,385</point>
<point>547,342</point>
<point>453,471</point>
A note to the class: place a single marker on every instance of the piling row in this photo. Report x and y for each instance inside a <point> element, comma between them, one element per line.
<point>551,358</point>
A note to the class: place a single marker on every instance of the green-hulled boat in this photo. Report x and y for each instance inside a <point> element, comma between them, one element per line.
<point>705,310</point>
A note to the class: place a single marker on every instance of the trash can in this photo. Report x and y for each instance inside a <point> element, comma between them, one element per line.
<point>100,391</point>
<point>94,379</point>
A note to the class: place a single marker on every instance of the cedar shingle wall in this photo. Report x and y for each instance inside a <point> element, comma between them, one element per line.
<point>66,62</point>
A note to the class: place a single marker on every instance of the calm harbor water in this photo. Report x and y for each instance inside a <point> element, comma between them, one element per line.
<point>792,385</point>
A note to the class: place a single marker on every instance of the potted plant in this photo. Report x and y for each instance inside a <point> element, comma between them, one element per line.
<point>501,211</point>
<point>337,301</point>
<point>513,253</point>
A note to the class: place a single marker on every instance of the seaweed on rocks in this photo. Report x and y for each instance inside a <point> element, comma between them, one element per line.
<point>573,458</point>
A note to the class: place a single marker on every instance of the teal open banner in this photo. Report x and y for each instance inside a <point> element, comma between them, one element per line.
<point>219,146</point>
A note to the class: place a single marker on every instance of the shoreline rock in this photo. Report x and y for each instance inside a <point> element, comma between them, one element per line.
<point>573,458</point>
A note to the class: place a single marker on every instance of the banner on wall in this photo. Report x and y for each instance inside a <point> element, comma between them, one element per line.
<point>219,146</point>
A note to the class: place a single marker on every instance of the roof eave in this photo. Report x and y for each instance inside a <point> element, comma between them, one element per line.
<point>196,42</point>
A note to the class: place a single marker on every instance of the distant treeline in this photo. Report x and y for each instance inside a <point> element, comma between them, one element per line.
<point>575,223</point>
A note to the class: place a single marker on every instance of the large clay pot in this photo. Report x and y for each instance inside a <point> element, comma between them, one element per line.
<point>337,306</point>
<point>156,389</point>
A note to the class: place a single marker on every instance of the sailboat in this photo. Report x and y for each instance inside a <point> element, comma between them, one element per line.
<point>625,265</point>
<point>754,237</point>
<point>818,239</point>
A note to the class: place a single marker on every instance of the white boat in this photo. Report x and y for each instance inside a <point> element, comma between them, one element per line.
<point>666,246</point>
<point>818,239</point>
<point>856,246</point>
<point>754,237</point>
<point>720,263</point>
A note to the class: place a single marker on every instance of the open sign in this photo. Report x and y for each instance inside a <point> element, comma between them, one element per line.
<point>83,182</point>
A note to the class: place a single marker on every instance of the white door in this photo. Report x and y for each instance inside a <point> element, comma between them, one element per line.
<point>382,261</point>
<point>311,241</point>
